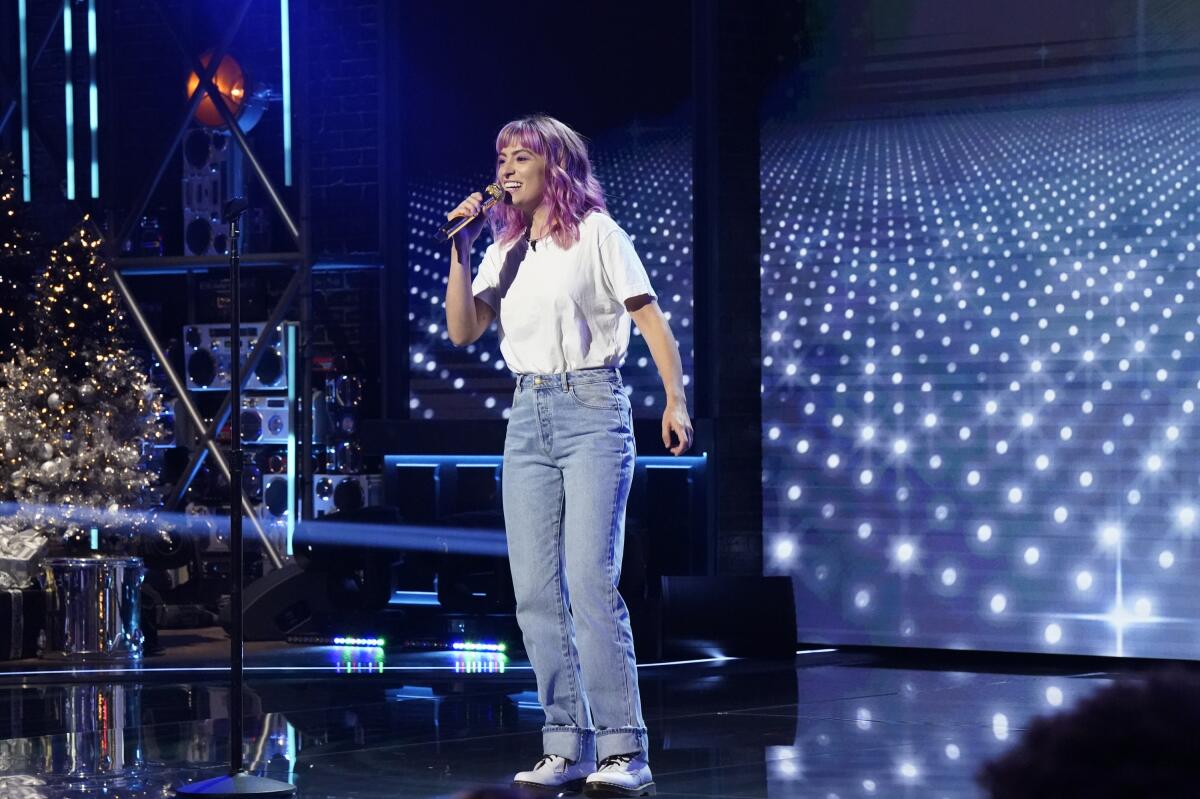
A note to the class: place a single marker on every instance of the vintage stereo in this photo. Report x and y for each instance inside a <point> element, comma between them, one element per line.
<point>207,350</point>
<point>337,493</point>
<point>265,420</point>
<point>212,175</point>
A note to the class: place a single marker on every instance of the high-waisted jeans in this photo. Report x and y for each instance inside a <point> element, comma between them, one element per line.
<point>568,464</point>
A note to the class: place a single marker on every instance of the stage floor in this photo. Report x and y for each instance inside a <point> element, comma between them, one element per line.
<point>359,723</point>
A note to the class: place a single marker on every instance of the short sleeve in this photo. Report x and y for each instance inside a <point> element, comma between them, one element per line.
<point>486,285</point>
<point>623,270</point>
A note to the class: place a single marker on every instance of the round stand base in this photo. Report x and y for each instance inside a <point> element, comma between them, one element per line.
<point>232,786</point>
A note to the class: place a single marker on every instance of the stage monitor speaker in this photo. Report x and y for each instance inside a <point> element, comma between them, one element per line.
<point>208,348</point>
<point>738,616</point>
<point>282,602</point>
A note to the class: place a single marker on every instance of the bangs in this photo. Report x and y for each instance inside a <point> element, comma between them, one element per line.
<point>521,134</point>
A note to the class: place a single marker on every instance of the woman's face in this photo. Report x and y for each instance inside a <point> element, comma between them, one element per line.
<point>522,173</point>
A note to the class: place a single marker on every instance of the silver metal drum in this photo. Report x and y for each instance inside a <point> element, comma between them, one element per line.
<point>92,609</point>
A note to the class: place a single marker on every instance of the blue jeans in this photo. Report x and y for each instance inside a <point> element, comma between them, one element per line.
<point>568,464</point>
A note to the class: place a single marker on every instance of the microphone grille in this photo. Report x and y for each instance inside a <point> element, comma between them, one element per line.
<point>496,191</point>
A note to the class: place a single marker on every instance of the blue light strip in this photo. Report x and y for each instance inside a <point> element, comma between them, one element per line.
<point>350,640</point>
<point>475,646</point>
<point>290,332</point>
<point>285,39</point>
<point>26,182</point>
<point>649,461</point>
<point>69,94</point>
<point>93,100</point>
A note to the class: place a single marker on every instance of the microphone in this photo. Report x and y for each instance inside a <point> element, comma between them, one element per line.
<point>492,195</point>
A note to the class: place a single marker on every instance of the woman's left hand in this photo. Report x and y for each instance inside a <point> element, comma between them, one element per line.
<point>676,420</point>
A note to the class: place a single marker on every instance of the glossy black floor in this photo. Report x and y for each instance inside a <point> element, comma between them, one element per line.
<point>354,723</point>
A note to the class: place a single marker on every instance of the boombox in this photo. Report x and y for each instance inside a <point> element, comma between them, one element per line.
<point>334,493</point>
<point>265,420</point>
<point>207,350</point>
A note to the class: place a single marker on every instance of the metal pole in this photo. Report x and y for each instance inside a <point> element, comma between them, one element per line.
<point>235,505</point>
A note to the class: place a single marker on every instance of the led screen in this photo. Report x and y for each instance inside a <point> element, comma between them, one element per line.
<point>981,377</point>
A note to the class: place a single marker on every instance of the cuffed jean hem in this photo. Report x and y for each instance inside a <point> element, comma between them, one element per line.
<point>622,741</point>
<point>573,743</point>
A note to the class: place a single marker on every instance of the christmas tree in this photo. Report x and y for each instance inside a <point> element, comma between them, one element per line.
<point>16,263</point>
<point>78,410</point>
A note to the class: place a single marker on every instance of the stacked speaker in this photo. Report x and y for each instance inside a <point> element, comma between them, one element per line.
<point>212,175</point>
<point>341,486</point>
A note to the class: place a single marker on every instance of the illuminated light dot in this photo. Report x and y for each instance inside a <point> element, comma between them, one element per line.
<point>1054,694</point>
<point>833,461</point>
<point>949,576</point>
<point>863,718</point>
<point>953,752</point>
<point>973,477</point>
<point>1000,726</point>
<point>1143,608</point>
<point>794,493</point>
<point>905,552</point>
<point>1036,366</point>
<point>964,433</point>
<point>1110,535</point>
<point>1186,516</point>
<point>984,533</point>
<point>802,446</point>
<point>935,462</point>
<point>1053,633</point>
<point>1042,463</point>
<point>1060,514</point>
<point>1001,447</point>
<point>1154,463</point>
<point>998,603</point>
<point>1085,479</point>
<point>837,420</point>
<point>869,786</point>
<point>900,446</point>
<point>1161,374</point>
<point>990,408</point>
<point>864,531</point>
<point>1027,420</point>
<point>1166,559</point>
<point>1108,448</point>
<point>1032,556</point>
<point>1083,580</point>
<point>773,433</point>
<point>909,771</point>
<point>1172,433</point>
<point>862,599</point>
<point>1189,406</point>
<point>784,549</point>
<point>1065,433</point>
<point>1089,356</point>
<point>1015,494</point>
<point>867,433</point>
<point>930,419</point>
<point>866,477</point>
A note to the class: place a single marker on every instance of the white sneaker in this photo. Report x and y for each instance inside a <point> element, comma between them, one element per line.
<point>555,774</point>
<point>621,775</point>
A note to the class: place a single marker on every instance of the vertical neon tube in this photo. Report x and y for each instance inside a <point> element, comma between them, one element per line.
<point>292,339</point>
<point>93,99</point>
<point>69,93</point>
<point>26,183</point>
<point>285,47</point>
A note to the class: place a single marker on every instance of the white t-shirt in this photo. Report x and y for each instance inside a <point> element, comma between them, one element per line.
<point>562,310</point>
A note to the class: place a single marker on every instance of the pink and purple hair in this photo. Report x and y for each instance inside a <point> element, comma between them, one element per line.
<point>571,190</point>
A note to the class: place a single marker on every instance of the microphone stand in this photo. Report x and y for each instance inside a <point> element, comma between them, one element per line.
<point>237,783</point>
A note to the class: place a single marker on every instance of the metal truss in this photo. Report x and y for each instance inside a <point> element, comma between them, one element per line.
<point>298,282</point>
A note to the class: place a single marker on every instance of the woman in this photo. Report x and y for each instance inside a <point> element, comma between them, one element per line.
<point>563,279</point>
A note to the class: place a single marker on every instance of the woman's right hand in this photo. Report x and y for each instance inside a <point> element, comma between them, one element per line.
<point>471,206</point>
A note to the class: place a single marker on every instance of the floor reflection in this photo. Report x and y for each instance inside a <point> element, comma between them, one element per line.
<point>826,726</point>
